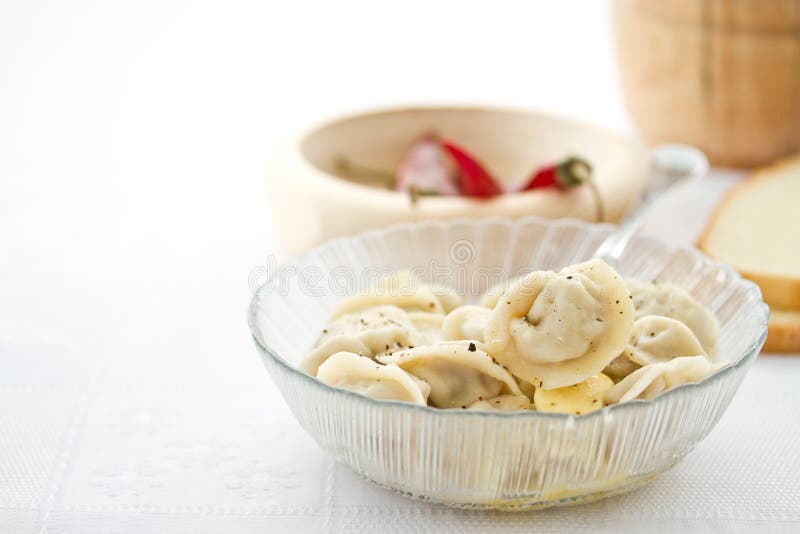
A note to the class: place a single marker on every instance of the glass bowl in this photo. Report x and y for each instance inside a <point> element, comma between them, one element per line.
<point>488,460</point>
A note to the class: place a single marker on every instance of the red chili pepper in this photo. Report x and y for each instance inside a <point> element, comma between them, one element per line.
<point>544,177</point>
<point>427,169</point>
<point>475,180</point>
<point>569,173</point>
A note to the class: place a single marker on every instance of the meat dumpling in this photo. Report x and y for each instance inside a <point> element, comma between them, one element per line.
<point>459,373</point>
<point>657,339</point>
<point>556,329</point>
<point>653,379</point>
<point>367,332</point>
<point>670,300</point>
<point>654,339</point>
<point>360,374</point>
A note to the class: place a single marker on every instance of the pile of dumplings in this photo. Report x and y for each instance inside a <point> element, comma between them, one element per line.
<point>570,342</point>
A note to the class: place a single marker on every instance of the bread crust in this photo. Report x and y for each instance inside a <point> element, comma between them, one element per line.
<point>780,291</point>
<point>783,333</point>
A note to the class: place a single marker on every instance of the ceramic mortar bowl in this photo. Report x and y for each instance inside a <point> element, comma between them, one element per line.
<point>312,199</point>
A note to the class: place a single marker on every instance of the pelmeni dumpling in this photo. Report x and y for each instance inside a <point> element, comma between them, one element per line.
<point>311,362</point>
<point>466,323</point>
<point>368,332</point>
<point>675,302</point>
<point>558,329</point>
<point>402,289</point>
<point>504,403</point>
<point>577,399</point>
<point>459,373</point>
<point>429,325</point>
<point>656,338</point>
<point>650,380</point>
<point>362,375</point>
<point>566,336</point>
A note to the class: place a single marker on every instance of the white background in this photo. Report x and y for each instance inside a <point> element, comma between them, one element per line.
<point>133,138</point>
<point>144,126</point>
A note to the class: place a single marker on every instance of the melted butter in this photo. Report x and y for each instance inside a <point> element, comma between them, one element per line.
<point>583,397</point>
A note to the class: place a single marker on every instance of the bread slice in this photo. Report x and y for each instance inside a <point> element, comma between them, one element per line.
<point>783,333</point>
<point>756,229</point>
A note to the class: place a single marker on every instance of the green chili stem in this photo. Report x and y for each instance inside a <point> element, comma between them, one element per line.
<point>598,200</point>
<point>362,173</point>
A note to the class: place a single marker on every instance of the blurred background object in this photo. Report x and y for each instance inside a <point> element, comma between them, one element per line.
<point>723,75</point>
<point>313,200</point>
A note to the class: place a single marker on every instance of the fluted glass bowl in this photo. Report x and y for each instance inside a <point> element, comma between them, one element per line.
<point>516,460</point>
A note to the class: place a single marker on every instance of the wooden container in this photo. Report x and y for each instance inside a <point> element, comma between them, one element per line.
<point>722,75</point>
<point>313,200</point>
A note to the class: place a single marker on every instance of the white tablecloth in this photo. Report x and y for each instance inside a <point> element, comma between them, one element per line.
<point>142,407</point>
<point>132,210</point>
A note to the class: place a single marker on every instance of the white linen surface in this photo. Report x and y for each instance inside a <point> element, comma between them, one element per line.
<point>144,408</point>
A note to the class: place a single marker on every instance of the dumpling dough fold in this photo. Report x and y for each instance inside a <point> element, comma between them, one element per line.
<point>557,329</point>
<point>675,302</point>
<point>651,380</point>
<point>367,333</point>
<point>362,375</point>
<point>459,373</point>
<point>657,339</point>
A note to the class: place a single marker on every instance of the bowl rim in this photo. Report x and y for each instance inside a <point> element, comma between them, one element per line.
<point>295,158</point>
<point>744,358</point>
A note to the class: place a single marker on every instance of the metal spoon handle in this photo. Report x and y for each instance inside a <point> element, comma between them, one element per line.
<point>672,164</point>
